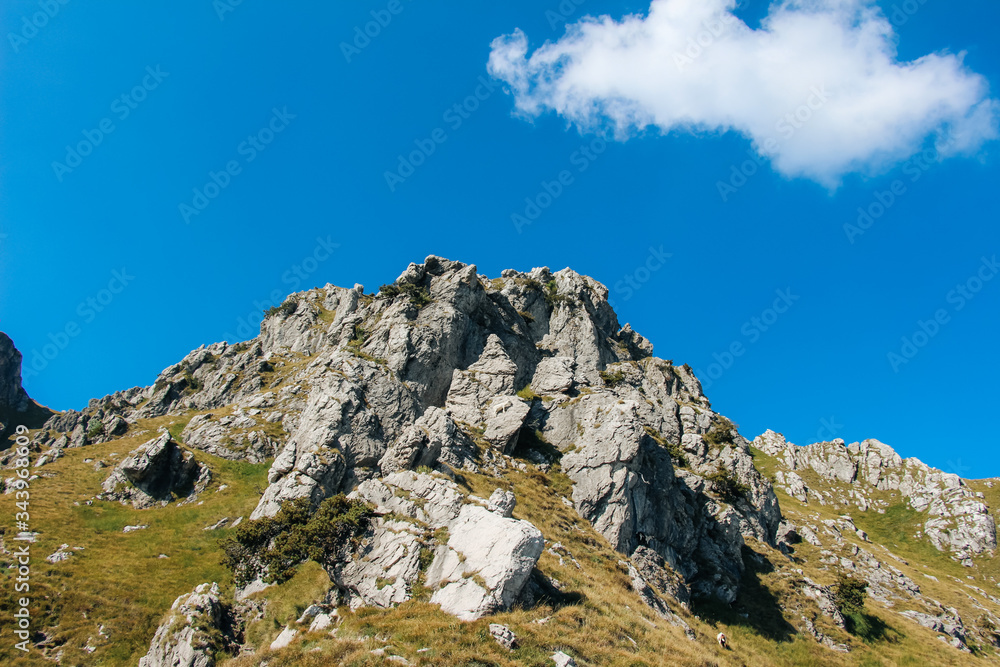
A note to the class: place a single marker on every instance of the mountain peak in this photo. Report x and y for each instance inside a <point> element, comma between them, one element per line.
<point>490,441</point>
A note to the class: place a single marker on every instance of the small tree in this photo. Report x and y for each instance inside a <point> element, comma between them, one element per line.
<point>850,595</point>
<point>271,547</point>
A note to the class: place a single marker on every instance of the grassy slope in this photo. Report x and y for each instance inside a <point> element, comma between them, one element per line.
<point>606,625</point>
<point>119,582</point>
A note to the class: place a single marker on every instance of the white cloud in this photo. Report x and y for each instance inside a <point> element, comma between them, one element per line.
<point>817,88</point>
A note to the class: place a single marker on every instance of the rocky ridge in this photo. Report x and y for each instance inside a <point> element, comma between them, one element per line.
<point>957,520</point>
<point>391,397</point>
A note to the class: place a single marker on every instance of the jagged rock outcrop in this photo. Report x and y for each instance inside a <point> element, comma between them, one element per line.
<point>13,397</point>
<point>190,634</point>
<point>238,436</point>
<point>957,520</point>
<point>630,486</point>
<point>446,369</point>
<point>153,473</point>
<point>16,407</point>
<point>948,624</point>
<point>480,569</point>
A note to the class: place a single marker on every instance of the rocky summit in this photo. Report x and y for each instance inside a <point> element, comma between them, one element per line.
<point>464,470</point>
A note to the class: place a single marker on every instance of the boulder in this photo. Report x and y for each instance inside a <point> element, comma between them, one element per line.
<point>553,375</point>
<point>502,502</point>
<point>481,569</point>
<point>562,660</point>
<point>485,564</point>
<point>384,569</point>
<point>503,636</point>
<point>153,473</point>
<point>184,637</point>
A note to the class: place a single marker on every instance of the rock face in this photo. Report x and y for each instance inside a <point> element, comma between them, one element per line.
<point>155,472</point>
<point>183,638</point>
<point>447,370</point>
<point>16,408</point>
<point>957,520</point>
<point>13,398</point>
<point>481,568</point>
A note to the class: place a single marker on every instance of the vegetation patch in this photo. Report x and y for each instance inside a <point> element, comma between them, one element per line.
<point>612,378</point>
<point>355,344</point>
<point>722,433</point>
<point>94,428</point>
<point>418,294</point>
<point>849,596</point>
<point>529,394</point>
<point>730,489</point>
<point>552,295</point>
<point>271,547</point>
<point>284,310</point>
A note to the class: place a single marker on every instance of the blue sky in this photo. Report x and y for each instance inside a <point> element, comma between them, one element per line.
<point>103,246</point>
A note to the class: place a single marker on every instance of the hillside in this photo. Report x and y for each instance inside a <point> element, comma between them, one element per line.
<point>459,470</point>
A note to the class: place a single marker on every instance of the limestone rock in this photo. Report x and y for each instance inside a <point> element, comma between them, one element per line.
<point>661,575</point>
<point>506,415</point>
<point>629,486</point>
<point>284,638</point>
<point>500,552</point>
<point>645,591</point>
<point>16,408</point>
<point>181,639</point>
<point>13,398</point>
<point>562,660</point>
<point>957,521</point>
<point>481,569</point>
<point>553,375</point>
<point>502,503</point>
<point>153,473</point>
<point>385,567</point>
<point>948,623</point>
<point>824,599</point>
<point>433,438</point>
<point>503,636</point>
<point>235,437</point>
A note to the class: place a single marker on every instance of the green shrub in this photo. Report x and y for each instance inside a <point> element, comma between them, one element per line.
<point>850,595</point>
<point>722,433</point>
<point>727,486</point>
<point>418,294</point>
<point>284,310</point>
<point>552,295</point>
<point>272,546</point>
<point>612,378</point>
<point>94,428</point>
<point>528,394</point>
<point>194,385</point>
<point>529,284</point>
